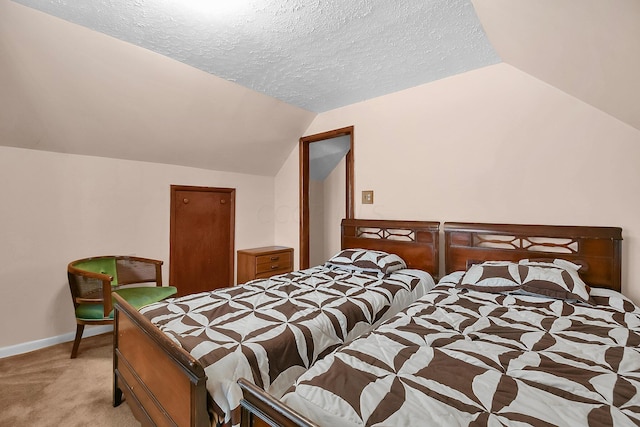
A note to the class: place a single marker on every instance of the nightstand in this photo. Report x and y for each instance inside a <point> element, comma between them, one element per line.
<point>260,263</point>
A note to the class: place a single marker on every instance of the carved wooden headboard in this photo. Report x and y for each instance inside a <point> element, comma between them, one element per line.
<point>417,242</point>
<point>597,249</point>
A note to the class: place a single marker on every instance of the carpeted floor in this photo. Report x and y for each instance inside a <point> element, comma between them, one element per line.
<point>46,388</point>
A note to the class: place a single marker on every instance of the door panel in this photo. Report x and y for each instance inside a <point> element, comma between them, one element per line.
<point>202,238</point>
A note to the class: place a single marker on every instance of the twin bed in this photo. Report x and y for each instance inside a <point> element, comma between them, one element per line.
<point>178,362</point>
<point>541,336</point>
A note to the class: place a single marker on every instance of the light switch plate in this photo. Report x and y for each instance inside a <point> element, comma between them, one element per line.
<point>367,197</point>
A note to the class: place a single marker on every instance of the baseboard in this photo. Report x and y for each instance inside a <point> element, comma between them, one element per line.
<point>26,347</point>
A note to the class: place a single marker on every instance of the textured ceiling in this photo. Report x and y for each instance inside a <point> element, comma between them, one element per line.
<point>68,89</point>
<point>314,54</point>
<point>231,86</point>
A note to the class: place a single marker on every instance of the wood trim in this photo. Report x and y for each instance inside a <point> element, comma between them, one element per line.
<point>304,204</point>
<point>350,177</point>
<point>232,226</point>
<point>304,184</point>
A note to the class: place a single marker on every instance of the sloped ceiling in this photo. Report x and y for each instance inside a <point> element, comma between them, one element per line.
<point>587,48</point>
<point>316,55</point>
<point>65,88</point>
<point>224,85</point>
<point>231,86</point>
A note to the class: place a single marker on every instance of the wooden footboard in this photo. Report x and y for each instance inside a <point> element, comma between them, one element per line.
<point>259,409</point>
<point>163,384</point>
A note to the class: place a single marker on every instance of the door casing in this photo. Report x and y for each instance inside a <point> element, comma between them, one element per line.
<point>304,185</point>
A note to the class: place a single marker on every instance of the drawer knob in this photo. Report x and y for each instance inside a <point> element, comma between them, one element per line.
<point>273,267</point>
<point>275,258</point>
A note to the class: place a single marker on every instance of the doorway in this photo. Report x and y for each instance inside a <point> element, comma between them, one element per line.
<point>325,142</point>
<point>202,238</point>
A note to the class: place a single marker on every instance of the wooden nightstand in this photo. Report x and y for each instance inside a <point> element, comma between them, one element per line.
<point>259,263</point>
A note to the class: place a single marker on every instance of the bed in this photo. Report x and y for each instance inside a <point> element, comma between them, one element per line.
<point>508,337</point>
<point>290,320</point>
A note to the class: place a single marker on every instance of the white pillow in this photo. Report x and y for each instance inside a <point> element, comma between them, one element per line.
<point>367,260</point>
<point>555,278</point>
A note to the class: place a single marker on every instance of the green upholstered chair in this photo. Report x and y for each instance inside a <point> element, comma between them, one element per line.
<point>92,280</point>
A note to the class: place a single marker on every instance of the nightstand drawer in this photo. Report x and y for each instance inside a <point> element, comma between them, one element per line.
<point>271,262</point>
<point>273,273</point>
<point>260,263</point>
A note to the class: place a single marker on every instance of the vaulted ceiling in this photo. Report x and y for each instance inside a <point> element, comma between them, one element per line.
<point>242,80</point>
<point>587,48</point>
<point>316,55</point>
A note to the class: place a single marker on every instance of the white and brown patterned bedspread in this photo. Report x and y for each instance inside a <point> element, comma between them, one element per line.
<point>459,357</point>
<point>270,331</point>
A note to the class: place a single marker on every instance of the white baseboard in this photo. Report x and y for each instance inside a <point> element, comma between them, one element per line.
<point>47,342</point>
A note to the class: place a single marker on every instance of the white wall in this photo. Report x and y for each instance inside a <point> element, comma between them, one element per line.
<point>587,48</point>
<point>316,222</point>
<point>335,195</point>
<point>490,145</point>
<point>58,207</point>
<point>327,207</point>
<point>287,206</point>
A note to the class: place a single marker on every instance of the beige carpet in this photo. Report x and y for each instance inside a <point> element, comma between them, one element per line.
<point>46,388</point>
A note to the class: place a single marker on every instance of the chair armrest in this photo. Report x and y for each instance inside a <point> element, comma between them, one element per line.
<point>107,302</point>
<point>90,274</point>
<point>93,297</point>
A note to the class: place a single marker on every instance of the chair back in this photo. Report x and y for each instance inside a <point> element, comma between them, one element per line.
<point>90,279</point>
<point>134,270</point>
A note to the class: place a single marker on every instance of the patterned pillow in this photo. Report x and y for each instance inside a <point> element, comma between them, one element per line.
<point>367,260</point>
<point>491,276</point>
<point>549,278</point>
<point>549,262</point>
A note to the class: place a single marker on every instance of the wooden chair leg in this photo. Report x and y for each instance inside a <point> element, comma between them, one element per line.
<point>117,392</point>
<point>76,342</point>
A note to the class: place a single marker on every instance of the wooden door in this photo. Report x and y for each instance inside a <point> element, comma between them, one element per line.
<point>202,238</point>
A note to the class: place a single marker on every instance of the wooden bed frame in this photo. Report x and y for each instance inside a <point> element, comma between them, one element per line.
<point>596,249</point>
<point>165,386</point>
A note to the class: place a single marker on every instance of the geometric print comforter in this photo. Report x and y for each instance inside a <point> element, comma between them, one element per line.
<point>459,357</point>
<point>269,331</point>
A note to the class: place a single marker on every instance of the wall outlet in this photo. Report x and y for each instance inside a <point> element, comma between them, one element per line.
<point>367,197</point>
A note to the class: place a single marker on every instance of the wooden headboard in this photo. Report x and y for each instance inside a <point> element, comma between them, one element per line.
<point>417,242</point>
<point>597,249</point>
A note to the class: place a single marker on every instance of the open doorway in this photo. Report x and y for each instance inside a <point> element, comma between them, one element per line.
<point>326,161</point>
